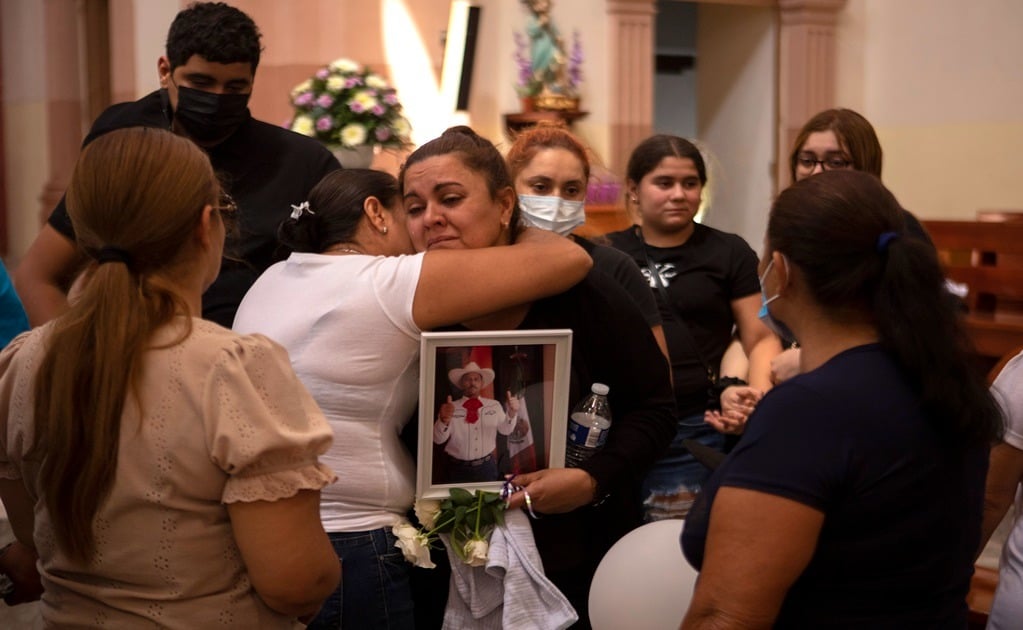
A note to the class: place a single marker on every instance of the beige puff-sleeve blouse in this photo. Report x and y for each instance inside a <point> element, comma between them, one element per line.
<point>224,419</point>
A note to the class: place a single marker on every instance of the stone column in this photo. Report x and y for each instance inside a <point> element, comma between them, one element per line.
<point>806,69</point>
<point>77,84</point>
<point>631,77</point>
<point>63,96</point>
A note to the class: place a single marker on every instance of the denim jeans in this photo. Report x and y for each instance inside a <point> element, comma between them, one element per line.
<point>374,590</point>
<point>670,487</point>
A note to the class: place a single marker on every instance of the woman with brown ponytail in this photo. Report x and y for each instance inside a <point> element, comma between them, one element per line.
<point>171,463</point>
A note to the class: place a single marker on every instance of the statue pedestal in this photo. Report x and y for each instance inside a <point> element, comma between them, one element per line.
<point>514,123</point>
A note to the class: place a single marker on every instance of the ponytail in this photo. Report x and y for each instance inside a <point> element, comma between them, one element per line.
<point>846,233</point>
<point>135,199</point>
<point>919,324</point>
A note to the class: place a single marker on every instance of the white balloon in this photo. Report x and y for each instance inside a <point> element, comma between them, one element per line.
<point>644,582</point>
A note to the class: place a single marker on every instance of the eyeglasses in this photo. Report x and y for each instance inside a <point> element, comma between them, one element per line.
<point>834,162</point>
<point>226,204</point>
<point>228,210</point>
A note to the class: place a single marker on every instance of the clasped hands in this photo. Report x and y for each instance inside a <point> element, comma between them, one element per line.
<point>737,403</point>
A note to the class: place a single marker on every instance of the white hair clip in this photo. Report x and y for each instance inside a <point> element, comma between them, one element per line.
<point>296,211</point>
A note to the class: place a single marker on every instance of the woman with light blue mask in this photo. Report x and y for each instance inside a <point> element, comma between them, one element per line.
<point>550,169</point>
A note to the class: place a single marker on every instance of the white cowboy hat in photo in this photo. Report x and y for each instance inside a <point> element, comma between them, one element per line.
<point>456,374</point>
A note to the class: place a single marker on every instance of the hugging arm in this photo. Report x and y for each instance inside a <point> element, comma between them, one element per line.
<point>45,273</point>
<point>459,285</point>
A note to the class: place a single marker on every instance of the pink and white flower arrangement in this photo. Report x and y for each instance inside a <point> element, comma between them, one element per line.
<point>345,104</point>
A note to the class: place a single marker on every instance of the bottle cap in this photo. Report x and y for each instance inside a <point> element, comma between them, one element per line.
<point>600,389</point>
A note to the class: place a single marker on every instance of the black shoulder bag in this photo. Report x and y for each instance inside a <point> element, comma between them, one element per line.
<point>712,373</point>
<point>706,455</point>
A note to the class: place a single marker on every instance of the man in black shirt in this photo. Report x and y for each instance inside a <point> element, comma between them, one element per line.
<point>206,79</point>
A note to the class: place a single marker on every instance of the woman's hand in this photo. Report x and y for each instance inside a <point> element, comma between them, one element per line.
<point>554,490</point>
<point>737,403</point>
<point>785,366</point>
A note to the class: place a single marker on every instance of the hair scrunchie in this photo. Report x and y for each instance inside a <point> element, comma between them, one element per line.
<point>884,240</point>
<point>108,254</point>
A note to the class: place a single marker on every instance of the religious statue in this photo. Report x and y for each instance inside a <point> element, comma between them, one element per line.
<point>548,57</point>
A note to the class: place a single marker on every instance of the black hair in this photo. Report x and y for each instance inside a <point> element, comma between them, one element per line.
<point>336,208</point>
<point>216,32</point>
<point>478,154</point>
<point>649,153</point>
<point>830,226</point>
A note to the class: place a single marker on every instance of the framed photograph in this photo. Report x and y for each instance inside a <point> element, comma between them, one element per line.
<point>490,403</point>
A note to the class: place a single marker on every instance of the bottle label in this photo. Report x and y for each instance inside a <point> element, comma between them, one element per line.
<point>586,436</point>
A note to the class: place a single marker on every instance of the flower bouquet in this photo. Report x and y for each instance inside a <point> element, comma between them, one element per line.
<point>344,104</point>
<point>468,518</point>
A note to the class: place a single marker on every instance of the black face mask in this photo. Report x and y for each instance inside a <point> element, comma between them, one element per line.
<point>210,118</point>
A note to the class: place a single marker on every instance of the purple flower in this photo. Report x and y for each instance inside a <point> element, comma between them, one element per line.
<point>575,61</point>
<point>351,82</point>
<point>523,62</point>
<point>356,107</point>
<point>378,110</point>
<point>304,99</point>
<point>324,123</point>
<point>382,134</point>
<point>391,98</point>
<point>325,101</point>
<point>322,74</point>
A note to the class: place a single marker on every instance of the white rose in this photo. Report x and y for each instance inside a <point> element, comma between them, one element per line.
<point>304,125</point>
<point>426,511</point>
<point>476,553</point>
<point>413,544</point>
<point>353,135</point>
<point>376,81</point>
<point>344,65</point>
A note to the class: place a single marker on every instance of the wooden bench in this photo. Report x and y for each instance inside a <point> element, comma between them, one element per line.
<point>986,256</point>
<point>601,219</point>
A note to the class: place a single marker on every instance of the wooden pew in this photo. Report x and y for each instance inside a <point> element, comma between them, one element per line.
<point>604,218</point>
<point>986,256</point>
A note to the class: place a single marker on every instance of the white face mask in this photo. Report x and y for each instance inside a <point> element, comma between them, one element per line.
<point>553,214</point>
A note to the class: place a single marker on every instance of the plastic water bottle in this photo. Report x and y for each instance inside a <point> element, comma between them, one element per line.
<point>588,426</point>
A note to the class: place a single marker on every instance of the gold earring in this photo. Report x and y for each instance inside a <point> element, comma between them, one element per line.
<point>383,230</point>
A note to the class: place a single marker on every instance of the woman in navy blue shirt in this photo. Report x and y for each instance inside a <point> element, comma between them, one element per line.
<point>854,498</point>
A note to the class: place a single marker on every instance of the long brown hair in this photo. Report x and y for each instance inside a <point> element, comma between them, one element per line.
<point>135,199</point>
<point>855,135</point>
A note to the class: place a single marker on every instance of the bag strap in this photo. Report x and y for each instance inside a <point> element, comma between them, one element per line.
<point>712,374</point>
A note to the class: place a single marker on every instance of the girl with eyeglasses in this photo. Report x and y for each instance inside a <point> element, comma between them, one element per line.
<point>834,140</point>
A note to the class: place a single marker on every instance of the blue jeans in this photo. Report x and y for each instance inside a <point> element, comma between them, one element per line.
<point>673,482</point>
<point>374,590</point>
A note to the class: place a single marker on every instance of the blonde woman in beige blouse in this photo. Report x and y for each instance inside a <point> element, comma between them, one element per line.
<point>172,464</point>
